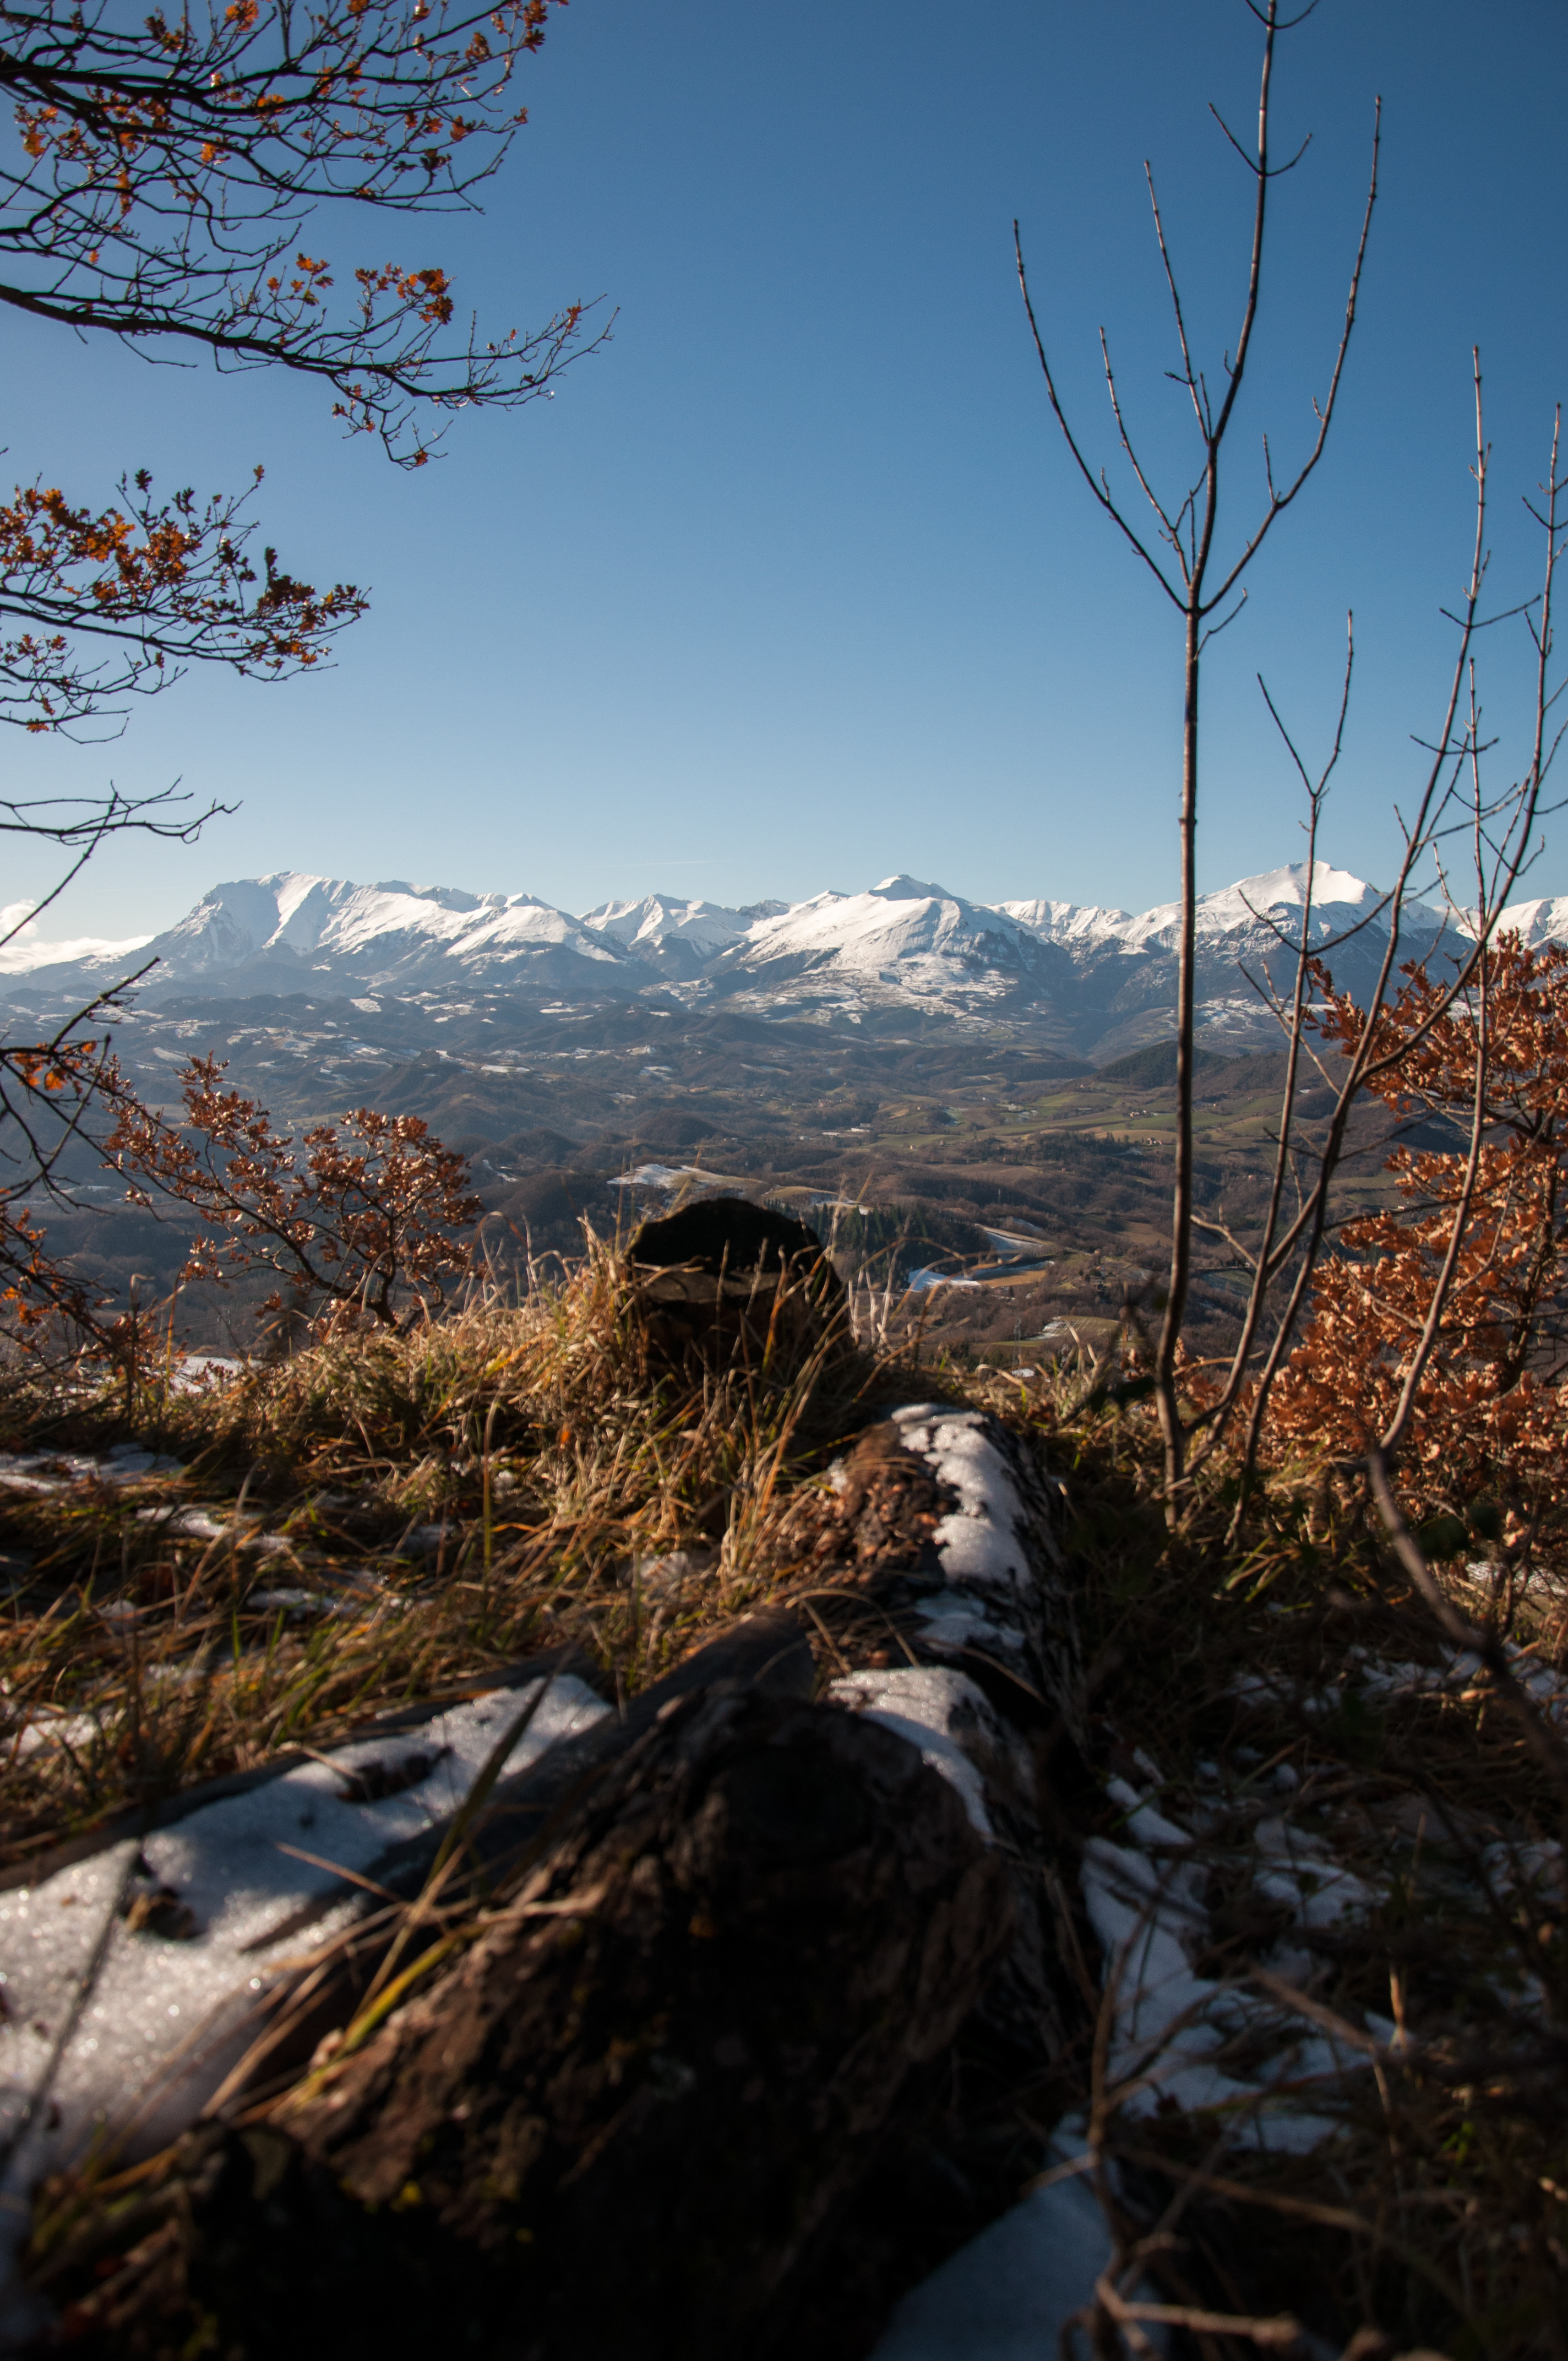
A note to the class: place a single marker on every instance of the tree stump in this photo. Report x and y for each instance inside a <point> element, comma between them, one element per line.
<point>723,1279</point>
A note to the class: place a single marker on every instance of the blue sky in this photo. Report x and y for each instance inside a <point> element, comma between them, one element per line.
<point>792,585</point>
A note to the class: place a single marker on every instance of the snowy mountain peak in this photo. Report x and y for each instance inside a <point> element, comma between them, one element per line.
<point>1068,922</point>
<point>1099,980</point>
<point>911,889</point>
<point>1544,921</point>
<point>657,916</point>
<point>1276,896</point>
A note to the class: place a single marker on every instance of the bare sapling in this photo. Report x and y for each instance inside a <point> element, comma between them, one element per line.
<point>1429,1046</point>
<point>1202,578</point>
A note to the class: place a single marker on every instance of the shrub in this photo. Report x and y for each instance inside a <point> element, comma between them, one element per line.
<point>1491,1411</point>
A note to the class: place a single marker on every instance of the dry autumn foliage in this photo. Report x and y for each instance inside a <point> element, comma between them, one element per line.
<point>49,1087</point>
<point>46,1090</point>
<point>165,167</point>
<point>363,1225</point>
<point>1490,1419</point>
<point>118,602</point>
<point>158,189</point>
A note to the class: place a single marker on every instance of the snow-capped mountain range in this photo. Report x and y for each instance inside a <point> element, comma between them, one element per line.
<point>1087,976</point>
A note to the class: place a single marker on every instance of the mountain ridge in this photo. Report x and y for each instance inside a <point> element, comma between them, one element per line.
<point>1081,974</point>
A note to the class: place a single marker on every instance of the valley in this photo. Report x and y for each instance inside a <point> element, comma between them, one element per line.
<point>1003,1196</point>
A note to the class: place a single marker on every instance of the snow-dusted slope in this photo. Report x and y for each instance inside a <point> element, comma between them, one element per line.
<point>1074,923</point>
<point>394,926</point>
<point>1102,980</point>
<point>1275,899</point>
<point>678,938</point>
<point>26,948</point>
<point>1538,922</point>
<point>291,931</point>
<point>901,938</point>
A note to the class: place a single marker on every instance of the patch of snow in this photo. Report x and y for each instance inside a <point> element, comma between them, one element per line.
<point>73,1730</point>
<point>654,1176</point>
<point>1145,1894</point>
<point>1170,2021</point>
<point>158,2004</point>
<point>292,1601</point>
<point>981,1541</point>
<point>937,1710</point>
<point>1009,2293</point>
<point>1300,1874</point>
<point>205,1372</point>
<point>1533,1867</point>
<point>1461,1668</point>
<point>60,1471</point>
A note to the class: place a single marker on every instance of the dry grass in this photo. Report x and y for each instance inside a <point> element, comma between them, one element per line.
<point>589,1496</point>
<point>506,1480</point>
<point>1439,2210</point>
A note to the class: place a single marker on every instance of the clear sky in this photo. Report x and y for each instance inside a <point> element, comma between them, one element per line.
<point>792,585</point>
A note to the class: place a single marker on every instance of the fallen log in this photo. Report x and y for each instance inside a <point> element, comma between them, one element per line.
<point>627,2114</point>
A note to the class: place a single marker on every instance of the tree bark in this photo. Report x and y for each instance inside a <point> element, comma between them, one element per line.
<point>627,2121</point>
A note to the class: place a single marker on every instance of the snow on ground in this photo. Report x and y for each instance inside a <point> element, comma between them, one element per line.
<point>1461,1669</point>
<point>197,1373</point>
<point>62,1471</point>
<point>1264,2073</point>
<point>1006,2295</point>
<point>1173,2027</point>
<point>1009,2292</point>
<point>101,2020</point>
<point>671,1177</point>
<point>97,2012</point>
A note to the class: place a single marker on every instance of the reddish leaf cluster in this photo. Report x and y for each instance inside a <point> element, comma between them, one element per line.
<point>161,582</point>
<point>365,1225</point>
<point>166,166</point>
<point>46,1090</point>
<point>1491,1411</point>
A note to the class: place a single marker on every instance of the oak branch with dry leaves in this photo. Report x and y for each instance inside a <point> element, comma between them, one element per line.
<point>1479,1234</point>
<point>47,1089</point>
<point>363,1224</point>
<point>165,166</point>
<point>118,602</point>
<point>157,187</point>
